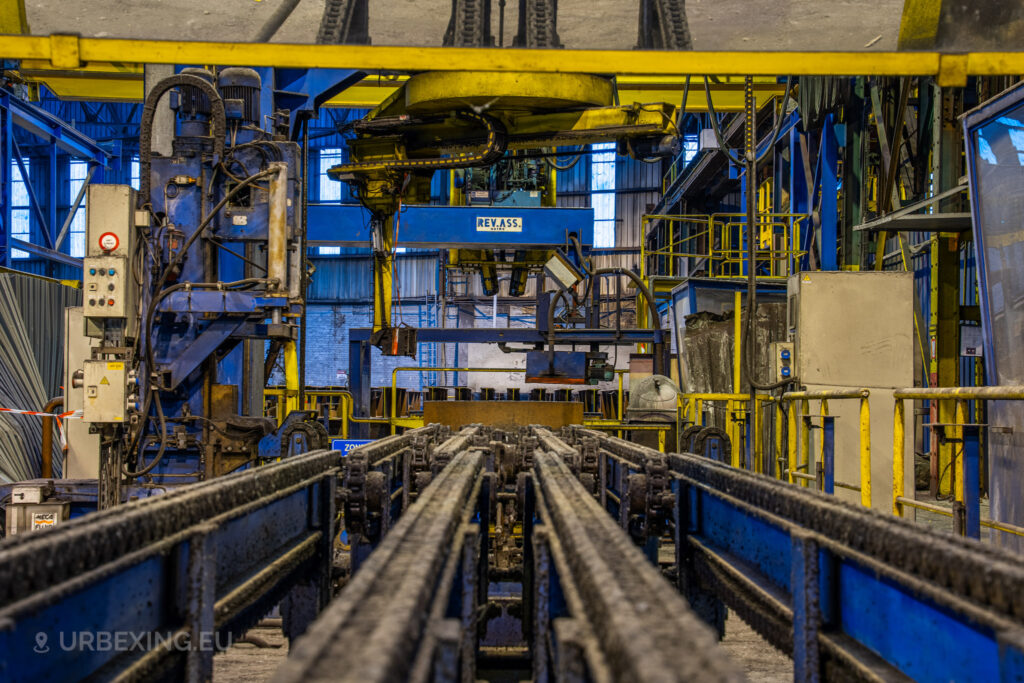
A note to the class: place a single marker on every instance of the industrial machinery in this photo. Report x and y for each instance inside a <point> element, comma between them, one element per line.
<point>479,553</point>
<point>185,281</point>
<point>491,132</point>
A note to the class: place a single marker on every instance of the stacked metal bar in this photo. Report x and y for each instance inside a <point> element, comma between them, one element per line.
<point>31,367</point>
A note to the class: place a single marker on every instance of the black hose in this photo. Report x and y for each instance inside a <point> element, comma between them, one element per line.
<point>163,440</point>
<point>146,125</point>
<point>562,291</point>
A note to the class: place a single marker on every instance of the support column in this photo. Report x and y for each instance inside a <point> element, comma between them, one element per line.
<point>944,319</point>
<point>383,270</point>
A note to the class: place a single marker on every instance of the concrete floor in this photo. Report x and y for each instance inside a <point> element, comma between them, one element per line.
<point>247,662</point>
<point>605,24</point>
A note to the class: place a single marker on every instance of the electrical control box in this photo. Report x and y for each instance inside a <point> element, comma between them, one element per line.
<point>110,221</point>
<point>105,284</point>
<point>783,360</point>
<point>110,292</point>
<point>105,391</point>
<point>852,331</point>
<point>82,458</point>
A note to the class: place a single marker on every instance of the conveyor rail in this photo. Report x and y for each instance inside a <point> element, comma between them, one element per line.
<point>193,567</point>
<point>604,608</point>
<point>393,621</point>
<point>845,590</point>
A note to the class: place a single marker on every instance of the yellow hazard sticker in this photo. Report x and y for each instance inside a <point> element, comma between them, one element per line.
<point>105,381</point>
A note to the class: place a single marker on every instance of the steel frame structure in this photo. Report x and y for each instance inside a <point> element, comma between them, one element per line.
<point>58,136</point>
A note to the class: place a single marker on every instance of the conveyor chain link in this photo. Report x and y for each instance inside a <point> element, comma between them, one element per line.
<point>538,26</point>
<point>344,22</point>
<point>638,621</point>
<point>27,563</point>
<point>976,572</point>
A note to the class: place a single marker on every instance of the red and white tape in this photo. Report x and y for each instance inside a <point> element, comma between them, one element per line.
<point>71,414</point>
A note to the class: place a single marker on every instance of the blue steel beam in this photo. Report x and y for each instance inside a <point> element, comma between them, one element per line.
<point>526,335</point>
<point>51,129</point>
<point>181,568</point>
<point>453,226</point>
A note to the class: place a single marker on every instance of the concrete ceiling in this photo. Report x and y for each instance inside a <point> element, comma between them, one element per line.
<point>601,24</point>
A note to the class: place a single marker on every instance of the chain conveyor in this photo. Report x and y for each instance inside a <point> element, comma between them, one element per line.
<point>570,556</point>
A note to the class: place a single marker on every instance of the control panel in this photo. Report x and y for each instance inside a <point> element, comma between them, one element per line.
<point>784,360</point>
<point>105,391</point>
<point>110,222</point>
<point>105,280</point>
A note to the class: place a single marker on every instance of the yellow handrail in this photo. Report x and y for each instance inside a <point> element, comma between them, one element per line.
<point>961,395</point>
<point>824,396</point>
<point>724,246</point>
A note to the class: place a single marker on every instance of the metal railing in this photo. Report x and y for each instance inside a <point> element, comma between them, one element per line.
<point>799,454</point>
<point>720,241</point>
<point>966,511</point>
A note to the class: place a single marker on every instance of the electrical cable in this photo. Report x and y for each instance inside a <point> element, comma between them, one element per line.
<point>563,167</point>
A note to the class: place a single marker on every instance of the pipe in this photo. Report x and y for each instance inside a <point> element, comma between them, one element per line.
<point>277,240</point>
<point>276,20</point>
<point>47,454</point>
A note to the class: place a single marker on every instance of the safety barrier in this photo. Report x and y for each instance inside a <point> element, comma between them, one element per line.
<point>799,459</point>
<point>966,512</point>
<point>720,240</point>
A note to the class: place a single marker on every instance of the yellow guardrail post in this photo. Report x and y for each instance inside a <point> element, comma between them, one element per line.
<point>960,417</point>
<point>865,452</point>
<point>779,446</point>
<point>805,439</point>
<point>757,452</point>
<point>792,442</point>
<point>898,455</point>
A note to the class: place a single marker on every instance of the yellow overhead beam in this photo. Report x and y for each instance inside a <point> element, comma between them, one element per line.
<point>69,52</point>
<point>123,83</point>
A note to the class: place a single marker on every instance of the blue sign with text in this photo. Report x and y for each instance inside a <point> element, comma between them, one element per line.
<point>345,445</point>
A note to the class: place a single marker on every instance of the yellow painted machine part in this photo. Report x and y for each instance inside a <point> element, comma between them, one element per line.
<point>919,24</point>
<point>440,91</point>
<point>291,380</point>
<point>70,52</point>
<point>13,18</point>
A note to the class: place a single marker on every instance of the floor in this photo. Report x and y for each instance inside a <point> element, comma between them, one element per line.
<point>258,656</point>
<point>605,24</point>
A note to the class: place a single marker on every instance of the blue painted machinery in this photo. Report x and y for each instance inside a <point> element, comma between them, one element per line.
<point>195,288</point>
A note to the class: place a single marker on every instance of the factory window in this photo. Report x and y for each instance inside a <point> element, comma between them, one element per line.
<point>20,208</point>
<point>602,193</point>
<point>134,172</point>
<point>329,190</point>
<point>691,145</point>
<point>77,171</point>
